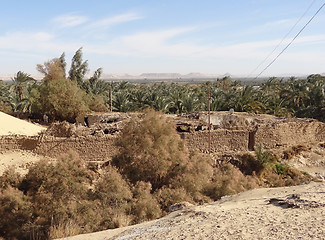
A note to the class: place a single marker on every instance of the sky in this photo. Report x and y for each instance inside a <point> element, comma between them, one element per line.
<point>237,37</point>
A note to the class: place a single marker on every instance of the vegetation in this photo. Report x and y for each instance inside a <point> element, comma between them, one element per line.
<point>293,97</point>
<point>153,168</point>
<point>152,171</point>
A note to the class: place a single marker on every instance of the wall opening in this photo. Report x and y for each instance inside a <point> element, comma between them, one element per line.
<point>251,140</point>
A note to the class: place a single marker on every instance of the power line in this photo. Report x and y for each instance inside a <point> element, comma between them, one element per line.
<point>276,47</point>
<point>290,42</point>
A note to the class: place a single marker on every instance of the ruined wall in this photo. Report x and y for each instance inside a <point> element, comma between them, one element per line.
<point>282,132</point>
<point>89,148</point>
<point>221,140</point>
<point>290,133</point>
<point>16,142</point>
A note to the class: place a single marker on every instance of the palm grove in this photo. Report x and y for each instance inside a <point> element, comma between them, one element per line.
<point>153,168</point>
<point>62,94</point>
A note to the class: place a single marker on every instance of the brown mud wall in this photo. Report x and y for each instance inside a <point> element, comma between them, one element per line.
<point>101,148</point>
<point>88,148</point>
<point>18,142</point>
<point>221,140</point>
<point>290,134</point>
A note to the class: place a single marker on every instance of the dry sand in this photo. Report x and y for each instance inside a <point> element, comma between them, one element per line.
<point>19,160</point>
<point>10,125</point>
<point>248,215</point>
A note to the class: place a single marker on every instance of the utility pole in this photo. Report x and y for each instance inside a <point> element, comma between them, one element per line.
<point>209,119</point>
<point>111,97</point>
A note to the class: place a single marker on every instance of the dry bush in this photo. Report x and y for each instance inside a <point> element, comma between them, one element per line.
<point>150,150</point>
<point>229,180</point>
<point>112,190</point>
<point>194,176</point>
<point>15,212</point>
<point>294,151</point>
<point>61,129</point>
<point>168,196</point>
<point>9,178</point>
<point>65,229</point>
<point>56,190</point>
<point>144,207</point>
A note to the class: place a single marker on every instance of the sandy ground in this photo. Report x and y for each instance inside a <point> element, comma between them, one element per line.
<point>10,125</point>
<point>19,160</point>
<point>248,215</point>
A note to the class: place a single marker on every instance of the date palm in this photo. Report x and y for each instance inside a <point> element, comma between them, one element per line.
<point>19,83</point>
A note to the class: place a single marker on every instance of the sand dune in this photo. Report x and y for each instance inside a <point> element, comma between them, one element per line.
<point>10,125</point>
<point>248,215</point>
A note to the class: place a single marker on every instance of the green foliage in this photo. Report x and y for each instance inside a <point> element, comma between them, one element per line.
<point>60,99</point>
<point>78,68</point>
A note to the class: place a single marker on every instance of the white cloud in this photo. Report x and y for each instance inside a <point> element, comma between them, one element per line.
<point>69,20</point>
<point>110,21</point>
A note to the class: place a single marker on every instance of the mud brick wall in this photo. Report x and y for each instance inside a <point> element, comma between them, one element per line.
<point>289,133</point>
<point>16,142</point>
<point>221,140</point>
<point>89,148</point>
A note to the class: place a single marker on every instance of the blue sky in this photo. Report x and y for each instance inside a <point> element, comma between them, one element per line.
<point>163,36</point>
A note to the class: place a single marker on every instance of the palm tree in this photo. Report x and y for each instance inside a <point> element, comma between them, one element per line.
<point>121,101</point>
<point>19,83</point>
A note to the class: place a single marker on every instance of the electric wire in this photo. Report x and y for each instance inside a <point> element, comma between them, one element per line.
<point>290,41</point>
<point>276,47</point>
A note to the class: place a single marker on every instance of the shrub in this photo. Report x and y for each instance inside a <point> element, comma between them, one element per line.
<point>56,190</point>
<point>112,190</point>
<point>15,212</point>
<point>61,100</point>
<point>145,206</point>
<point>168,196</point>
<point>10,178</point>
<point>150,150</point>
<point>229,180</point>
<point>250,165</point>
<point>194,176</point>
